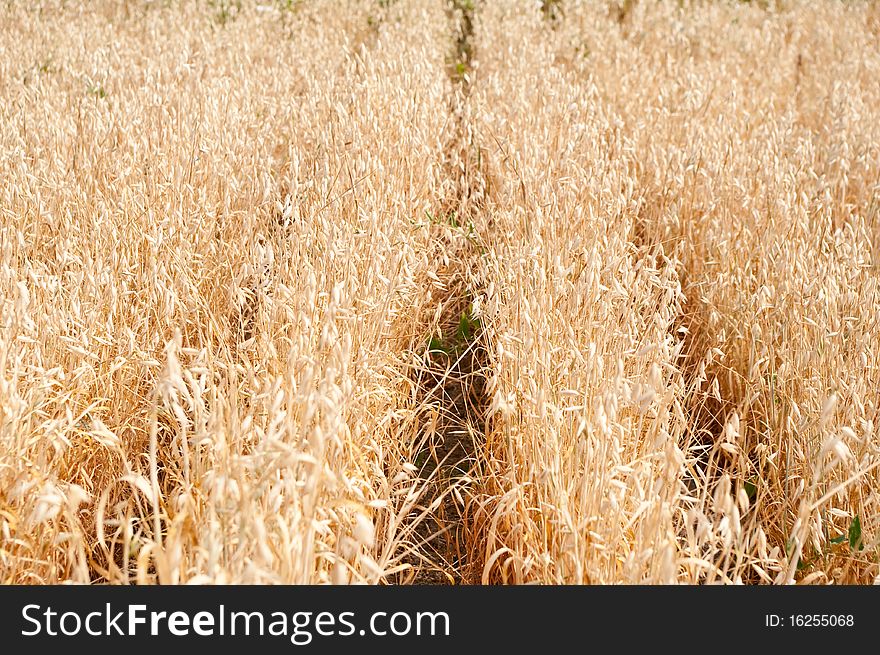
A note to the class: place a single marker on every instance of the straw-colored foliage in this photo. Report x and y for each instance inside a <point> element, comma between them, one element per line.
<point>235,235</point>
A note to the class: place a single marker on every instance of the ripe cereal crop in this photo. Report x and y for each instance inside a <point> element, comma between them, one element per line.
<point>439,292</point>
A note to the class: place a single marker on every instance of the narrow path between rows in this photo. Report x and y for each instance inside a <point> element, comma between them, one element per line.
<point>451,381</point>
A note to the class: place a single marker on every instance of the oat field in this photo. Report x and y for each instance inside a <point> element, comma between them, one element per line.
<point>439,291</point>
